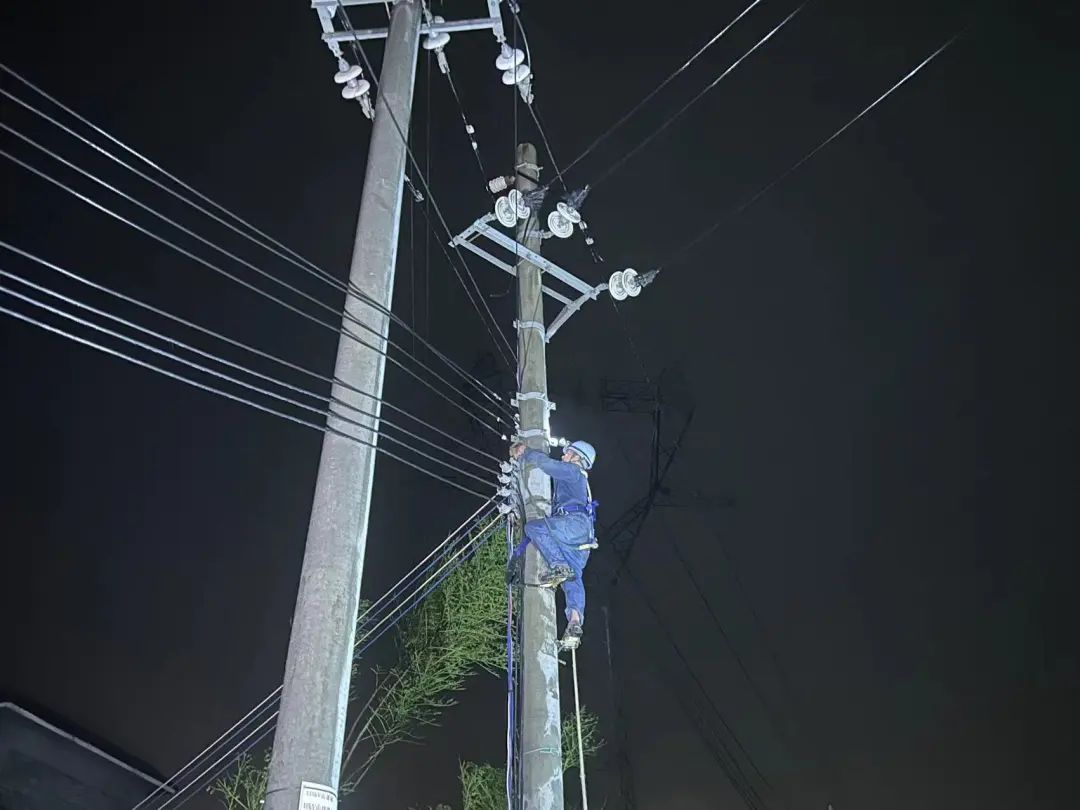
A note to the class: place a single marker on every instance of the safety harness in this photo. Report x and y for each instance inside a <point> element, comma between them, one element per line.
<point>588,509</point>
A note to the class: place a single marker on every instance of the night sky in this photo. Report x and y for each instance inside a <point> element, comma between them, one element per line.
<point>879,350</point>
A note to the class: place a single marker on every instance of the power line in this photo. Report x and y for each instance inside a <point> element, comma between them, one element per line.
<point>671,76</point>
<point>275,247</point>
<point>769,186</point>
<point>208,355</point>
<point>672,118</point>
<point>745,783</point>
<point>720,629</point>
<point>246,347</point>
<point>469,132</point>
<point>205,370</point>
<point>359,51</point>
<point>375,608</point>
<point>370,636</point>
<point>515,12</point>
<point>228,395</point>
<point>344,313</point>
<point>270,296</point>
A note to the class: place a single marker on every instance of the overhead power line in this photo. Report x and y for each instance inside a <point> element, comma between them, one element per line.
<point>446,556</point>
<point>342,330</point>
<point>207,370</point>
<point>241,345</point>
<point>686,246</point>
<point>671,119</point>
<point>223,393</point>
<point>735,774</point>
<point>382,606</point>
<point>534,113</point>
<point>723,632</point>
<point>670,77</point>
<point>383,423</point>
<point>264,241</point>
<point>474,147</point>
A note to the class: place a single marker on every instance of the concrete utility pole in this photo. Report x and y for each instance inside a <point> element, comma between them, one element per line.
<point>314,702</point>
<point>541,723</point>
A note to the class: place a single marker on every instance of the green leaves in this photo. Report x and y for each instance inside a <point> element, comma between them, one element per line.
<point>245,788</point>
<point>458,629</point>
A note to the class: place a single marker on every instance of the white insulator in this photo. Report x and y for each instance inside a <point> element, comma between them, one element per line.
<point>509,57</point>
<point>505,509</point>
<point>470,129</point>
<point>355,89</point>
<point>497,184</point>
<point>504,479</point>
<point>568,211</point>
<point>346,75</point>
<point>517,199</point>
<point>504,492</point>
<point>505,466</point>
<point>433,42</point>
<point>559,225</point>
<point>437,40</point>
<point>517,75</point>
<point>633,286</point>
<point>617,286</point>
<point>505,212</point>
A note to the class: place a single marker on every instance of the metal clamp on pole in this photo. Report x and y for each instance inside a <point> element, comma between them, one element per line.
<point>528,434</point>
<point>518,397</point>
<point>532,325</point>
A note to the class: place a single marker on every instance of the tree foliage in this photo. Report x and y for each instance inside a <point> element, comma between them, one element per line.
<point>245,787</point>
<point>483,786</point>
<point>458,629</point>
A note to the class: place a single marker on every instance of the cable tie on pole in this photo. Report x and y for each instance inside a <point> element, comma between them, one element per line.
<point>532,325</point>
<point>534,395</point>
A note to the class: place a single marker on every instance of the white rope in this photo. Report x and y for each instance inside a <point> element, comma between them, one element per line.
<point>580,744</point>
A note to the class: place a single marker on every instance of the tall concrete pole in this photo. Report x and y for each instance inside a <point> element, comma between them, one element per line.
<point>541,741</point>
<point>314,701</point>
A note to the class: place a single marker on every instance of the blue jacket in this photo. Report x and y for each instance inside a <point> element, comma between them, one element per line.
<point>570,484</point>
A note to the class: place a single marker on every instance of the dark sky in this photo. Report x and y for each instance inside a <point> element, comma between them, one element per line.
<point>880,351</point>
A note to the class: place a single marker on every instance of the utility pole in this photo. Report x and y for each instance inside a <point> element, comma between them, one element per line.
<point>541,721</point>
<point>314,700</point>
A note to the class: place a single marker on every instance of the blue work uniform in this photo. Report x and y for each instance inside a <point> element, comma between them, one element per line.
<point>570,526</point>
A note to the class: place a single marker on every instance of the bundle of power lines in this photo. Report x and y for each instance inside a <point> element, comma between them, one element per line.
<point>344,410</point>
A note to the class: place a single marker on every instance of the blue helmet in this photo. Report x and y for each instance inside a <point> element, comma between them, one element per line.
<point>586,451</point>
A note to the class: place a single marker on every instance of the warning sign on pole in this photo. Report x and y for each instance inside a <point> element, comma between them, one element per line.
<point>316,797</point>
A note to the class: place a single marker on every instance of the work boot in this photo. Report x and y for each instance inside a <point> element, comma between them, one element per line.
<point>556,576</point>
<point>571,639</point>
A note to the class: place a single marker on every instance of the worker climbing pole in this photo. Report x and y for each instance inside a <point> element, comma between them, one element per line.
<point>566,538</point>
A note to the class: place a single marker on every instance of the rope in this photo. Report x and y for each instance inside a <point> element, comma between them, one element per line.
<point>580,742</point>
<point>511,714</point>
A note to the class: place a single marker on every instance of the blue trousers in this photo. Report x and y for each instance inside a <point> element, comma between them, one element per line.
<point>557,539</point>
